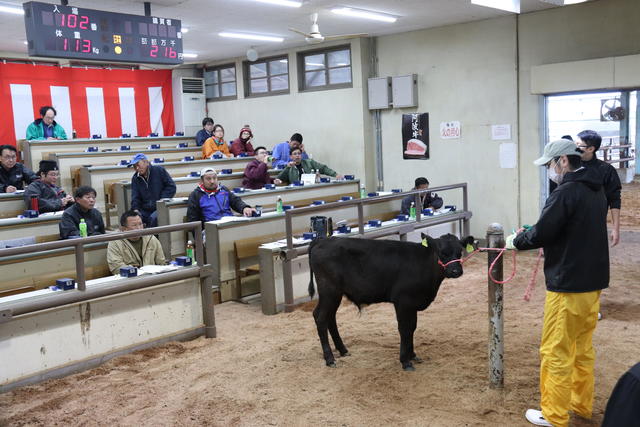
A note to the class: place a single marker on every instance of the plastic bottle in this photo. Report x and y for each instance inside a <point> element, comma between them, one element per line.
<point>190,251</point>
<point>74,135</point>
<point>363,192</point>
<point>412,211</point>
<point>317,172</point>
<point>83,228</point>
<point>279,207</point>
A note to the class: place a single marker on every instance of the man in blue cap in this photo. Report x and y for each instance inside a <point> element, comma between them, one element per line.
<point>148,185</point>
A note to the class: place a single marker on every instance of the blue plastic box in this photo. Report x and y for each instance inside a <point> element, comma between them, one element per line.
<point>128,271</point>
<point>66,284</point>
<point>183,261</point>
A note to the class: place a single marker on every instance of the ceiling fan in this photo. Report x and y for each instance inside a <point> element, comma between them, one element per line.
<point>314,36</point>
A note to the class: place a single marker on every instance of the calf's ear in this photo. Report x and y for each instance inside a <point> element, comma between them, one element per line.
<point>429,242</point>
<point>469,243</point>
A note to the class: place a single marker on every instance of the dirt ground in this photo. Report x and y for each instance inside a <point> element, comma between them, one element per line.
<point>268,370</point>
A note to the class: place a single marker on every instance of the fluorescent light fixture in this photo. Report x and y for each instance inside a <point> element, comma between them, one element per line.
<point>251,37</point>
<point>564,2</point>
<point>25,42</point>
<point>508,5</point>
<point>282,2</point>
<point>365,14</point>
<point>184,30</point>
<point>189,55</point>
<point>9,9</point>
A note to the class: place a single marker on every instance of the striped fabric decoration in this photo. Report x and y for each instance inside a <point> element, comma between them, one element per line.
<point>91,101</point>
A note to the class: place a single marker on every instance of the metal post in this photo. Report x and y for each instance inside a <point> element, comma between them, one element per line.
<point>286,265</point>
<point>495,239</point>
<point>80,277</point>
<point>466,226</point>
<point>206,288</point>
<point>360,219</point>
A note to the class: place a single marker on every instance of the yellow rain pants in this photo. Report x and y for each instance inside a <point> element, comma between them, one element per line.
<point>567,355</point>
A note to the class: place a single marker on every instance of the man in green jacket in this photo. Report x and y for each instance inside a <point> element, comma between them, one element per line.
<point>46,127</point>
<point>294,173</point>
<point>136,251</point>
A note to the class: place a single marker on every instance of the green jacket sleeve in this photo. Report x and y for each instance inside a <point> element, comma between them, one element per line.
<point>323,169</point>
<point>34,132</point>
<point>284,175</point>
<point>59,132</point>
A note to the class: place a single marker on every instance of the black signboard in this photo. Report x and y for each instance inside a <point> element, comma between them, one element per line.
<point>415,136</point>
<point>60,31</point>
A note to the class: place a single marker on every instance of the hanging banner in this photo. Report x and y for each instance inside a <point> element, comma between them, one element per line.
<point>89,101</point>
<point>415,136</point>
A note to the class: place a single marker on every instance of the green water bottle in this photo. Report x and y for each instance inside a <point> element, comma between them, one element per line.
<point>190,252</point>
<point>363,192</point>
<point>412,211</point>
<point>83,228</point>
<point>279,207</point>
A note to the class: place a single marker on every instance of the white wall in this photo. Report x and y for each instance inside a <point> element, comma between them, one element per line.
<point>465,73</point>
<point>331,121</point>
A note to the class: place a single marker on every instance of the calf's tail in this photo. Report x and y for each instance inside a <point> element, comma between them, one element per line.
<point>312,290</point>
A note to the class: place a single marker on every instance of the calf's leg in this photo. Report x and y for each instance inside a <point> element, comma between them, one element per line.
<point>337,340</point>
<point>407,320</point>
<point>324,314</point>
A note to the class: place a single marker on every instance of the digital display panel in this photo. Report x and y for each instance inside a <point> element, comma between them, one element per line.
<point>58,31</point>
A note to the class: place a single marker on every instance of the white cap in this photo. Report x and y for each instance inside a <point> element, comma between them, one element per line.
<point>207,170</point>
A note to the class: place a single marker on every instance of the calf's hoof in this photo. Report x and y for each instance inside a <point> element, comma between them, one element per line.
<point>331,364</point>
<point>417,359</point>
<point>345,354</point>
<point>408,367</point>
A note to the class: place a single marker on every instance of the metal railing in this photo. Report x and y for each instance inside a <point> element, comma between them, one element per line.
<point>202,271</point>
<point>290,253</point>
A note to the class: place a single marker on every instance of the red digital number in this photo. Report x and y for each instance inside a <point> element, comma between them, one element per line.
<point>84,22</point>
<point>72,21</point>
<point>86,46</point>
<point>172,53</point>
<point>77,45</point>
<point>66,44</point>
<point>154,51</point>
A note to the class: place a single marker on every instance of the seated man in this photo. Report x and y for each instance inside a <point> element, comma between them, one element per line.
<point>429,200</point>
<point>133,251</point>
<point>210,201</point>
<point>256,173</point>
<point>148,185</point>
<point>46,127</point>
<point>206,132</point>
<point>13,175</point>
<point>85,200</point>
<point>299,166</point>
<point>51,198</point>
<point>281,151</point>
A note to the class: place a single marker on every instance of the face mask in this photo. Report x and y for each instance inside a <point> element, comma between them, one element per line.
<point>555,176</point>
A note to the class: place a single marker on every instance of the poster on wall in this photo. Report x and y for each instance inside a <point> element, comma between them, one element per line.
<point>415,136</point>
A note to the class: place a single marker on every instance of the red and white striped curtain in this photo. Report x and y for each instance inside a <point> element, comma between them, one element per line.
<point>104,102</point>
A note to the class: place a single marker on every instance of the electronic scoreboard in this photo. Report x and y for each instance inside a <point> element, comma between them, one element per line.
<point>60,31</point>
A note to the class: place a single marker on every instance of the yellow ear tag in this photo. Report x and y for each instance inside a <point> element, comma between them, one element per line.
<point>469,248</point>
<point>424,243</point>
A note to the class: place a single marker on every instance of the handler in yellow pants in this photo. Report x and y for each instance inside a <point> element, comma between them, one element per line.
<point>567,355</point>
<point>572,229</point>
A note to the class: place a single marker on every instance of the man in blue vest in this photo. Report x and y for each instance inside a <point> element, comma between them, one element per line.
<point>211,201</point>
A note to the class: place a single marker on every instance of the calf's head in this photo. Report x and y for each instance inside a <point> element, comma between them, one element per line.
<point>450,251</point>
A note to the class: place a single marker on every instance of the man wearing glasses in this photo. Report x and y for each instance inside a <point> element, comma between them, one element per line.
<point>51,198</point>
<point>13,175</point>
<point>571,229</point>
<point>589,142</point>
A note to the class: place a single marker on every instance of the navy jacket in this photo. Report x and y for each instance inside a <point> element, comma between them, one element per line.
<point>572,229</point>
<point>17,176</point>
<point>145,192</point>
<point>202,136</point>
<point>432,200</point>
<point>212,206</point>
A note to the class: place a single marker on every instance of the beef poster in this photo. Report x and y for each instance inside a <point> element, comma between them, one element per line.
<point>415,136</point>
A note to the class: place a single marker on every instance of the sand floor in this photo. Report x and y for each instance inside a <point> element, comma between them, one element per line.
<point>268,370</point>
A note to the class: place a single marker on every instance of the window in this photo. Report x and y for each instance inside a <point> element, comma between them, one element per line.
<point>267,77</point>
<point>325,69</point>
<point>220,83</point>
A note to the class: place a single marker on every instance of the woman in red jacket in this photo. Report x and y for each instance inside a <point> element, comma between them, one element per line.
<point>242,144</point>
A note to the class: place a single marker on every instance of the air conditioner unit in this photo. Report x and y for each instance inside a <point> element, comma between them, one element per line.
<point>189,104</point>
